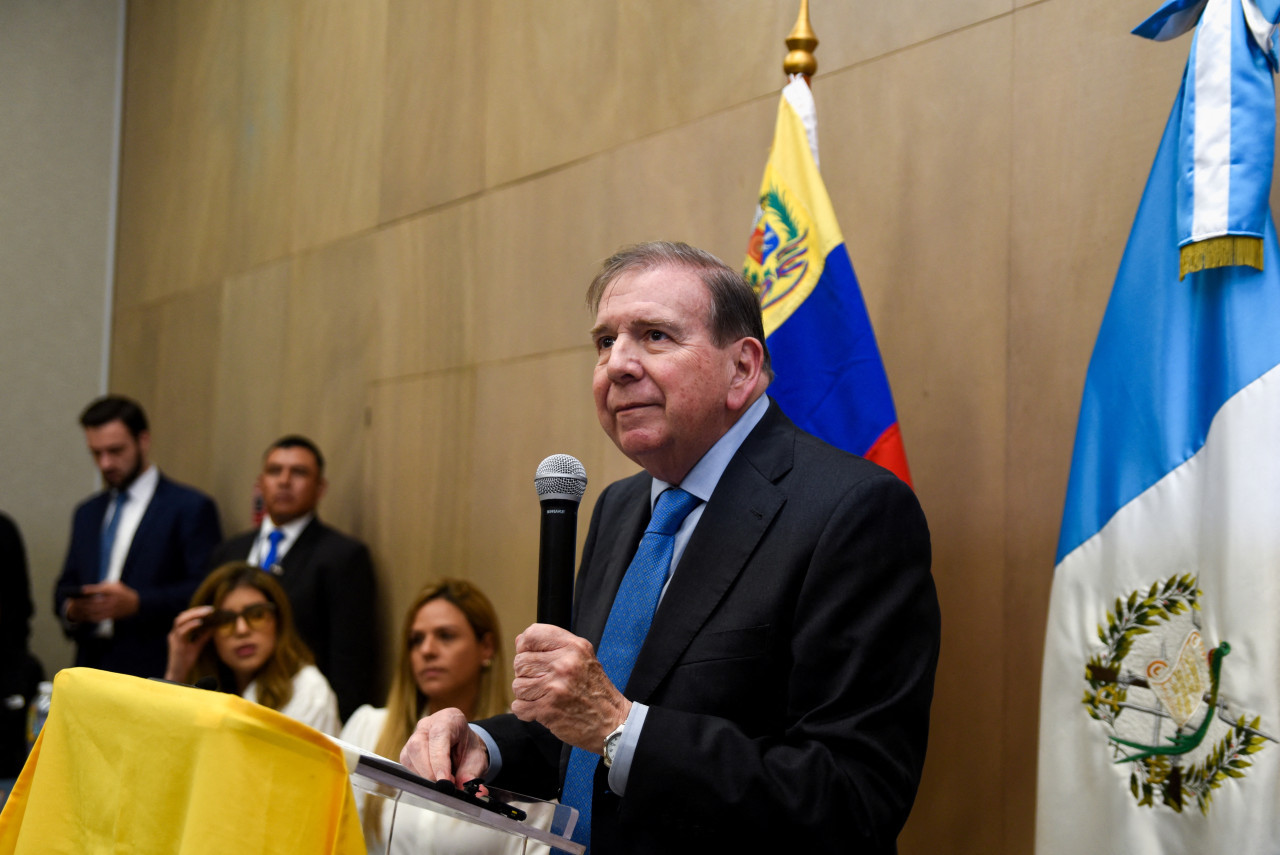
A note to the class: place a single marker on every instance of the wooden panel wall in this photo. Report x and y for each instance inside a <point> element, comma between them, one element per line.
<point>373,222</point>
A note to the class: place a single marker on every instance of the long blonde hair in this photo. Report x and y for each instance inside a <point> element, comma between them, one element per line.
<point>405,701</point>
<point>275,678</point>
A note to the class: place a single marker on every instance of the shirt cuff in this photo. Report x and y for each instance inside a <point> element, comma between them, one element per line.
<point>495,756</point>
<point>621,768</point>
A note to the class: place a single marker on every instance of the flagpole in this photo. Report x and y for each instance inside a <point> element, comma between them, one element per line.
<point>801,43</point>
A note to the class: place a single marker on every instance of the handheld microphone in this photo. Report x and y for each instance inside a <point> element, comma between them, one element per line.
<point>560,481</point>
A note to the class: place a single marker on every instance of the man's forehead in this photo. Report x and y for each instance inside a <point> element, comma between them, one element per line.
<point>110,434</point>
<point>666,292</point>
<point>293,455</point>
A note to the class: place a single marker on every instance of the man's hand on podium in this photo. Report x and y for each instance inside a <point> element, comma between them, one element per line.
<point>443,747</point>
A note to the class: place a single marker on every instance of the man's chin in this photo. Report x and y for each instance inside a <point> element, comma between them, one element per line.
<point>284,516</point>
<point>639,445</point>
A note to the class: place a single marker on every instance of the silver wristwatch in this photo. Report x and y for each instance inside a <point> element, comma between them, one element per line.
<point>611,745</point>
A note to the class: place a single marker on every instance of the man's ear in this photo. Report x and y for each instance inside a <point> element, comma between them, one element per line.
<point>748,367</point>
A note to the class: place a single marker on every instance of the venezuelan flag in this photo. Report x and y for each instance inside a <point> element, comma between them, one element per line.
<point>829,377</point>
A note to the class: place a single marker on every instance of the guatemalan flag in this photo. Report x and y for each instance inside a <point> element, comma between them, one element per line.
<point>1160,699</point>
<point>829,377</point>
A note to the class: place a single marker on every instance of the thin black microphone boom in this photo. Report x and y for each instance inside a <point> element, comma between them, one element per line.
<point>560,481</point>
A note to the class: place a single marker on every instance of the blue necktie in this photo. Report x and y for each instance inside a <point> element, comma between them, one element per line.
<point>109,535</point>
<point>274,547</point>
<point>628,624</point>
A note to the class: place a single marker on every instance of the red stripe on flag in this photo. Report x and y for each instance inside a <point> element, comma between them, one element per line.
<point>889,452</point>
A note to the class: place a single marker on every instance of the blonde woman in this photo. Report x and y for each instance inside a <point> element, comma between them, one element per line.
<point>450,656</point>
<point>240,631</point>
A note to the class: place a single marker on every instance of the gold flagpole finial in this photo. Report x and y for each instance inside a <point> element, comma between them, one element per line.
<point>801,43</point>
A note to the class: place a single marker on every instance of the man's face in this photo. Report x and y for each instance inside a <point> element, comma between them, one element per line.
<point>290,483</point>
<point>661,385</point>
<point>119,456</point>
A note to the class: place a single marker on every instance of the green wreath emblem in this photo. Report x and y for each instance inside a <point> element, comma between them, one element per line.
<point>1156,770</point>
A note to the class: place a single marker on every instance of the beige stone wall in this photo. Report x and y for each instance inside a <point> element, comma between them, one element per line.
<point>372,222</point>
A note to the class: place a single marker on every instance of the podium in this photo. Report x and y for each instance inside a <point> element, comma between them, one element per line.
<point>154,768</point>
<point>415,817</point>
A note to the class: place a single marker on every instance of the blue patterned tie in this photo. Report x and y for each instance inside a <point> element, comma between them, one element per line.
<point>275,537</point>
<point>629,621</point>
<point>109,536</point>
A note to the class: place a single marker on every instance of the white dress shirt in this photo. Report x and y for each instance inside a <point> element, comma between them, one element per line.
<point>262,544</point>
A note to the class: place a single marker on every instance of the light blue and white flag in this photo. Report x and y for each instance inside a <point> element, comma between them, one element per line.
<point>1227,127</point>
<point>1160,698</point>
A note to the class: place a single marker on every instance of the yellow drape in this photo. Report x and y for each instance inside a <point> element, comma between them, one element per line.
<point>126,765</point>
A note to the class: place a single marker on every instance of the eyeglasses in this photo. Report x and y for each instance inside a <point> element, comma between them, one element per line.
<point>224,621</point>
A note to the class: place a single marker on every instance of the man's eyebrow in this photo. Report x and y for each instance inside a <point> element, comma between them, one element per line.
<point>660,321</point>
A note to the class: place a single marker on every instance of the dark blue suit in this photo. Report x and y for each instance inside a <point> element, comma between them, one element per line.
<point>789,669</point>
<point>166,562</point>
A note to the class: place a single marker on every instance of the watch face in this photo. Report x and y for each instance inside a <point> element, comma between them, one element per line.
<point>611,746</point>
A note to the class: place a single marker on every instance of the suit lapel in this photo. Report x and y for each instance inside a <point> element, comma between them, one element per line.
<point>144,536</point>
<point>299,552</point>
<point>740,511</point>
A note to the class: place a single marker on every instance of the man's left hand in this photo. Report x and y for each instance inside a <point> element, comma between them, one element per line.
<point>560,684</point>
<point>105,600</point>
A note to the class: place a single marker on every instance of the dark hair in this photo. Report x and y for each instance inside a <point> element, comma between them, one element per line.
<point>735,308</point>
<point>275,680</point>
<point>110,408</point>
<point>297,440</point>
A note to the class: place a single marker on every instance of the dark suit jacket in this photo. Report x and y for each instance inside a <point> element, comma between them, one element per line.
<point>789,668</point>
<point>165,564</point>
<point>15,605</point>
<point>20,672</point>
<point>329,580</point>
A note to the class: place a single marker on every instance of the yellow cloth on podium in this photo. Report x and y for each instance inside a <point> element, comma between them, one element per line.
<point>125,765</point>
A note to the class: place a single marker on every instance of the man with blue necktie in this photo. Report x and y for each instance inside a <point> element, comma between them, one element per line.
<point>755,627</point>
<point>327,575</point>
<point>138,548</point>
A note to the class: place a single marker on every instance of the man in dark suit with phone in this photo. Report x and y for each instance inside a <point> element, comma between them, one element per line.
<point>327,575</point>
<point>756,628</point>
<point>138,549</point>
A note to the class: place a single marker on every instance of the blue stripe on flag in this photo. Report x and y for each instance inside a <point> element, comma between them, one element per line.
<point>830,379</point>
<point>1169,354</point>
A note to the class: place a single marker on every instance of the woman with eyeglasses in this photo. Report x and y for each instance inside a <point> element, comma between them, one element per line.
<point>239,630</point>
<point>450,656</point>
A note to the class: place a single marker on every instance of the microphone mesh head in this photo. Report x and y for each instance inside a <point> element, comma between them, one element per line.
<point>561,476</point>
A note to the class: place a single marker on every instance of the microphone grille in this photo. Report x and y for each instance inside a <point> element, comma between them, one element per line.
<point>561,476</point>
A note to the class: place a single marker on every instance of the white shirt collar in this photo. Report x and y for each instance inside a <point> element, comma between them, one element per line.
<point>143,487</point>
<point>291,529</point>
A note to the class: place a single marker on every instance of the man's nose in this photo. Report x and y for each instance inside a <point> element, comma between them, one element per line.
<point>624,359</point>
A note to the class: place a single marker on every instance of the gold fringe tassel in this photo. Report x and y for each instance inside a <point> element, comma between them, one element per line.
<point>1226,251</point>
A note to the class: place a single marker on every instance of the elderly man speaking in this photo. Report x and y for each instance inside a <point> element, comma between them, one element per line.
<point>755,624</point>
